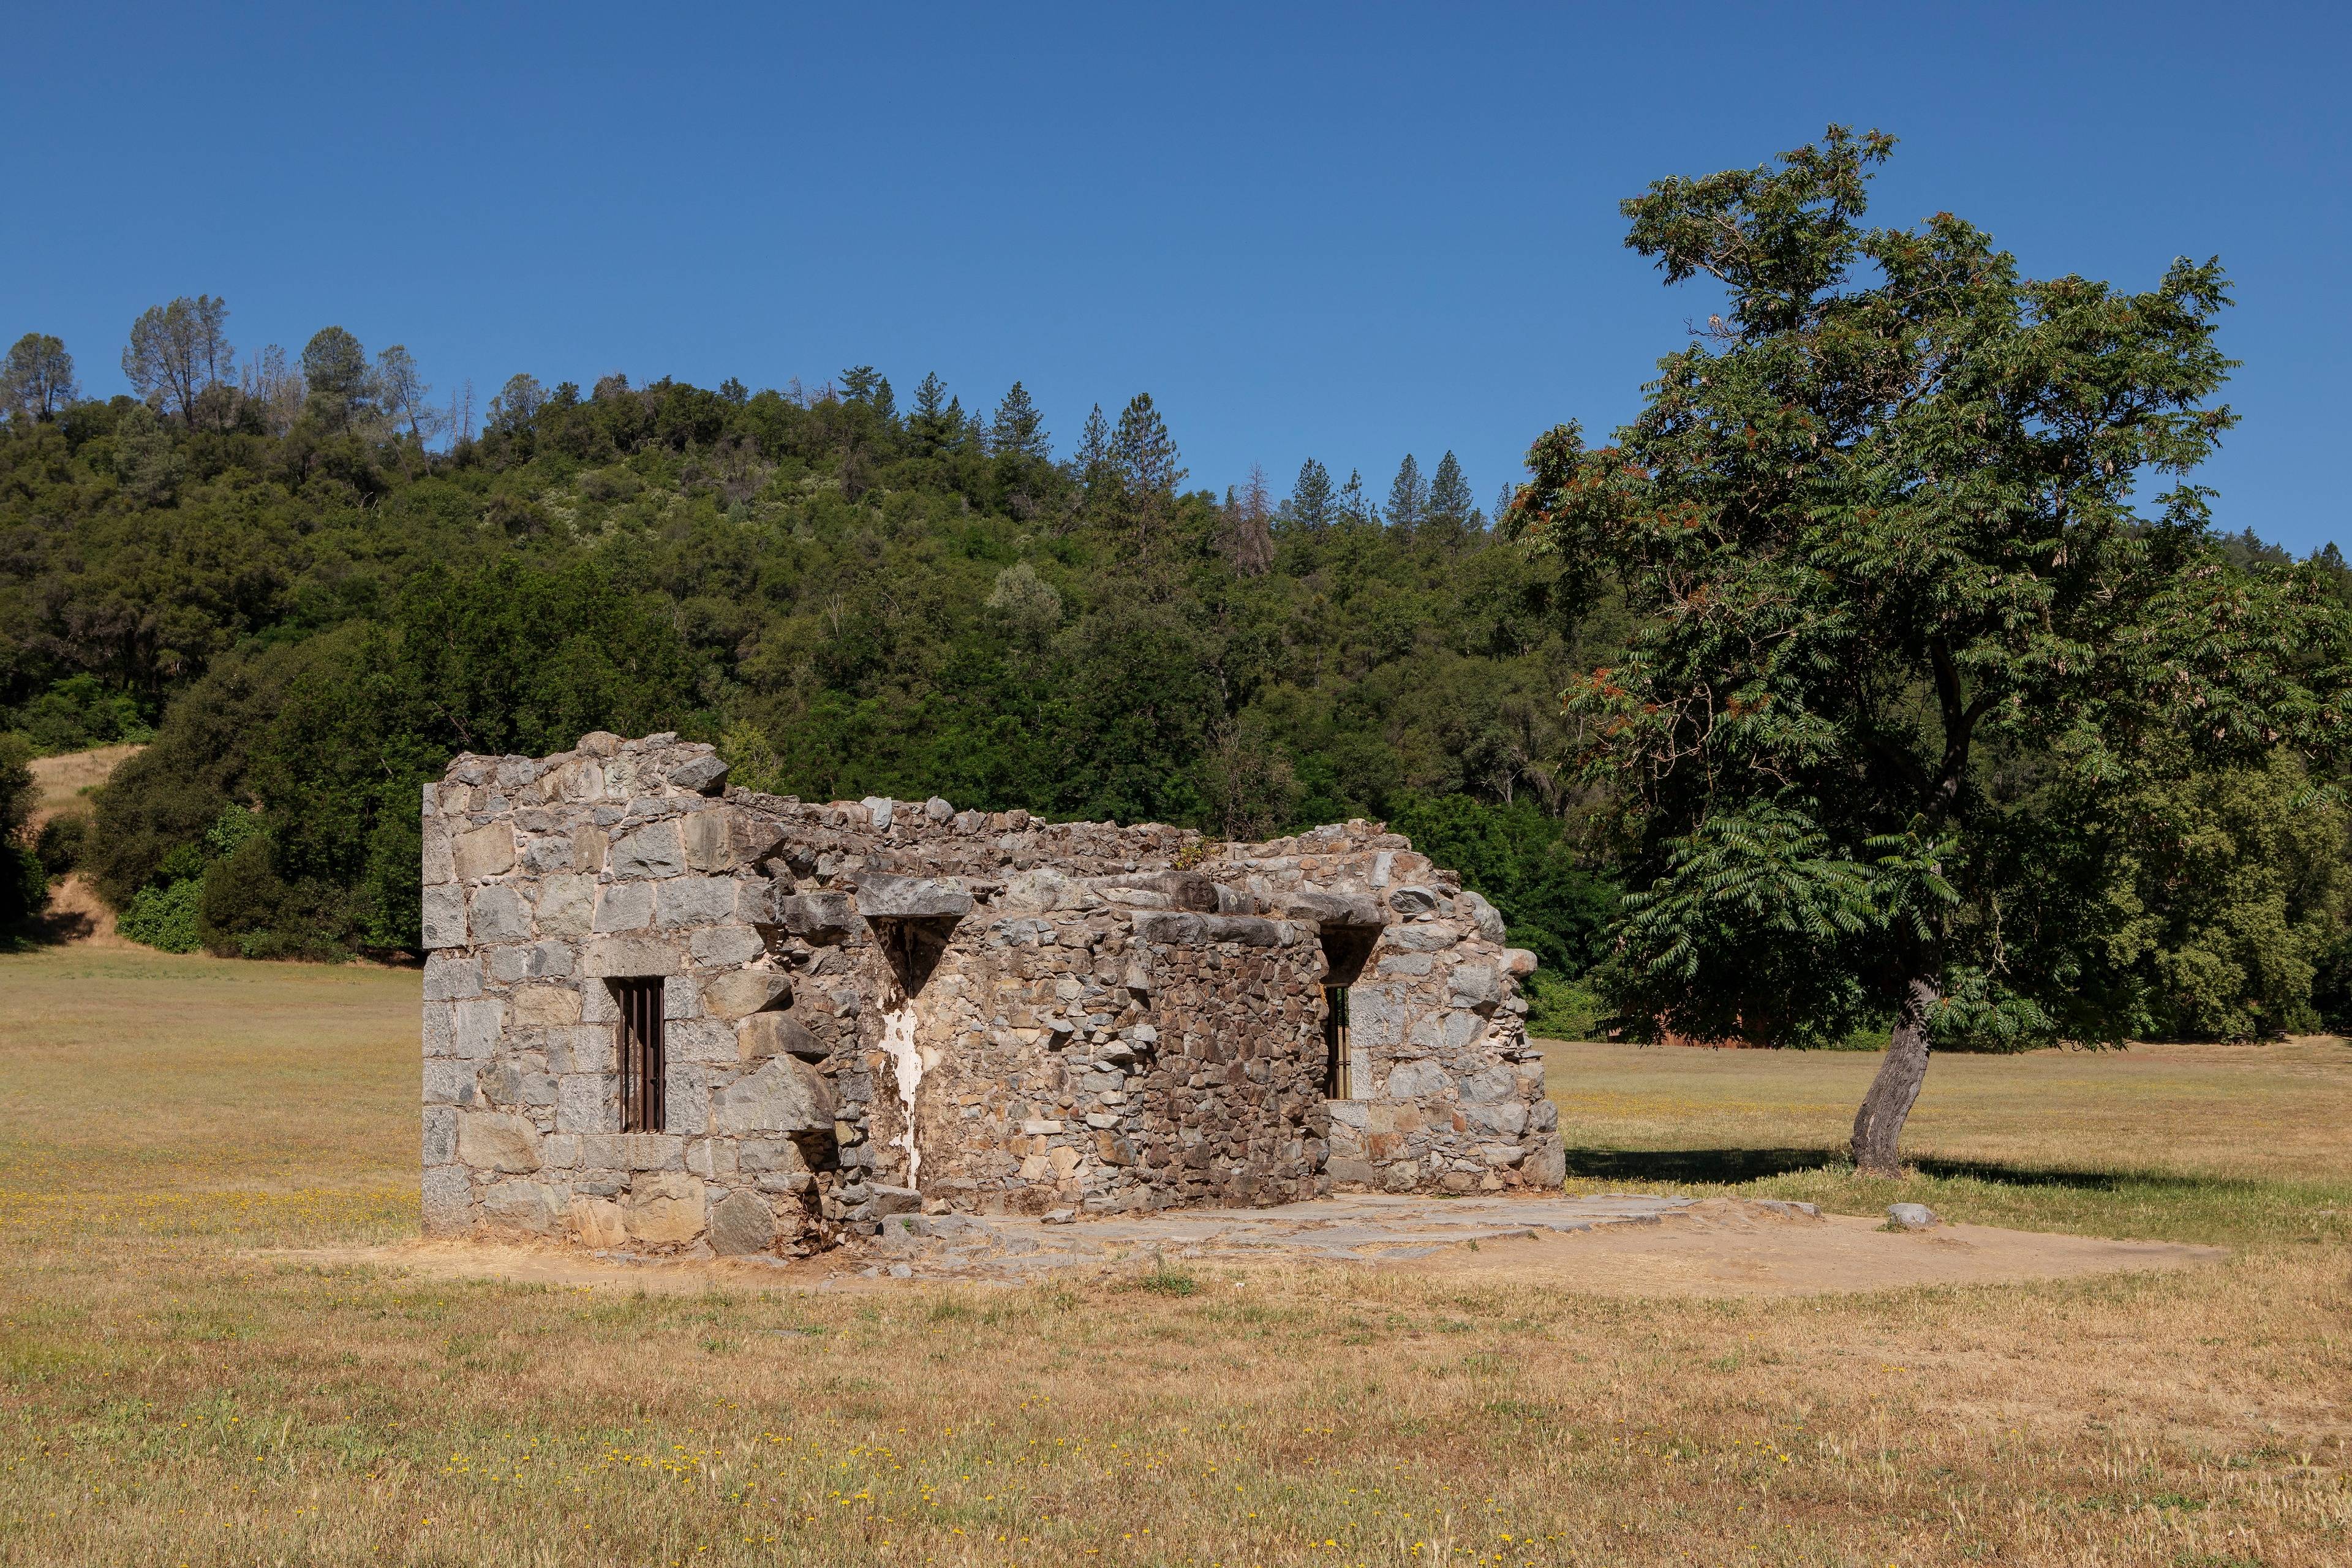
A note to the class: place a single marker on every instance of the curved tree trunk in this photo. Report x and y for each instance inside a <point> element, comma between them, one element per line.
<point>1878,1125</point>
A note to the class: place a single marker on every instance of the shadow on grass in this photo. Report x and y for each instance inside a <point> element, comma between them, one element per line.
<point>1730,1167</point>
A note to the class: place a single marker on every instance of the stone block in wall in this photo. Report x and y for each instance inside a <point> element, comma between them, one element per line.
<point>600,1222</point>
<point>1485,917</point>
<point>1489,1084</point>
<point>449,976</point>
<point>1417,1080</point>
<point>721,947</point>
<point>483,852</point>
<point>820,918</point>
<point>1545,1164</point>
<point>1328,908</point>
<point>657,849</point>
<point>583,1102</point>
<point>1412,900</point>
<point>542,855</point>
<point>882,896</point>
<point>445,917</point>
<point>1474,985</point>
<point>448,1200</point>
<point>559,1151</point>
<point>440,1139</point>
<point>448,1083</point>
<point>666,1207</point>
<point>694,901</point>
<point>497,913</point>
<point>741,1223</point>
<point>1412,963</point>
<point>709,840</point>
<point>785,1096</point>
<point>686,1096</point>
<point>440,858</point>
<point>478,1024</point>
<point>755,900</point>
<point>705,1040</point>
<point>625,906</point>
<point>771,1155</point>
<point>1376,1015</point>
<point>545,1006</point>
<point>1518,963</point>
<point>632,1151</point>
<point>745,991</point>
<point>530,961</point>
<point>567,904</point>
<point>765,1034</point>
<point>1506,1117</point>
<point>618,956</point>
<point>703,775</point>
<point>535,1207</point>
<point>440,1029</point>
<point>497,1140</point>
<point>1455,1029</point>
<point>591,847</point>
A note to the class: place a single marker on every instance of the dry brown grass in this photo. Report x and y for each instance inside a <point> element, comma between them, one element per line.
<point>169,1397</point>
<point>65,779</point>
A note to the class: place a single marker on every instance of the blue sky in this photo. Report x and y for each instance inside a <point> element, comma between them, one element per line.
<point>1348,232</point>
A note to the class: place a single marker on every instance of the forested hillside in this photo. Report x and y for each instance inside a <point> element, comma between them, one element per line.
<point>314,605</point>
<point>313,585</point>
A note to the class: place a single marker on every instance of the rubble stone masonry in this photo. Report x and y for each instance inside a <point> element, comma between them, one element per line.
<point>878,1007</point>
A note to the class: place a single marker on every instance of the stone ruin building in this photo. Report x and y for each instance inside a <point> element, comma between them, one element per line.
<point>668,1016</point>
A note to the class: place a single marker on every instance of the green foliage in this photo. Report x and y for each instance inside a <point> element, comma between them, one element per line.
<point>24,882</point>
<point>77,714</point>
<point>164,917</point>
<point>1518,857</point>
<point>1902,646</point>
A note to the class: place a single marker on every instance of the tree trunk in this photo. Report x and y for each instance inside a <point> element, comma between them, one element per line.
<point>1878,1125</point>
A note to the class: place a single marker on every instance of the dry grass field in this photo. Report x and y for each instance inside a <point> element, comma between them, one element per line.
<point>172,1391</point>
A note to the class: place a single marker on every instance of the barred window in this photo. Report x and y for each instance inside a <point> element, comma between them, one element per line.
<point>642,1054</point>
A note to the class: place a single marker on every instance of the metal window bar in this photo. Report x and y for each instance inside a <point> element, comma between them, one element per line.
<point>642,1054</point>
<point>1335,1075</point>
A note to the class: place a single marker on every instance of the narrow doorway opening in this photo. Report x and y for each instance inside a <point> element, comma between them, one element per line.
<point>643,1050</point>
<point>1346,950</point>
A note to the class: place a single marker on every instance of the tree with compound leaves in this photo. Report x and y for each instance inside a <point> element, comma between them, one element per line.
<point>1878,526</point>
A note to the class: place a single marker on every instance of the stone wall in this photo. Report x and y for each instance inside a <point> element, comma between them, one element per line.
<point>879,1006</point>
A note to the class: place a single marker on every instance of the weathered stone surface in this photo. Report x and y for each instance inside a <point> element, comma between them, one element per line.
<point>484,852</point>
<point>706,775</point>
<point>709,841</point>
<point>497,913</point>
<point>600,1223</point>
<point>1417,1080</point>
<point>741,1223</point>
<point>479,1023</point>
<point>567,902</point>
<point>1412,900</point>
<point>656,849</point>
<point>1484,917</point>
<point>440,859</point>
<point>632,1151</point>
<point>725,946</point>
<point>1497,1082</point>
<point>1910,1217</point>
<point>497,1140</point>
<point>625,906</point>
<point>746,991</point>
<point>1476,986</point>
<point>694,901</point>
<point>822,918</point>
<point>1334,909</point>
<point>666,1208</point>
<point>765,1034</point>
<point>784,1096</point>
<point>448,1200</point>
<point>881,897</point>
<point>1545,1166</point>
<point>1518,961</point>
<point>532,961</point>
<point>532,1206</point>
<point>445,917</point>
<point>618,957</point>
<point>449,975</point>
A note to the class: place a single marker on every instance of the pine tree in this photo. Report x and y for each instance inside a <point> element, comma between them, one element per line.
<point>1144,456</point>
<point>1019,430</point>
<point>928,424</point>
<point>1093,468</point>
<point>1408,497</point>
<point>1451,507</point>
<point>1355,508</point>
<point>1310,504</point>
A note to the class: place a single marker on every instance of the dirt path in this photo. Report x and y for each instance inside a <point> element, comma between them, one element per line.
<point>75,913</point>
<point>1622,1243</point>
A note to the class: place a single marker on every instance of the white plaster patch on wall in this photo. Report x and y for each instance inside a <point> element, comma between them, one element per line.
<point>899,1040</point>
